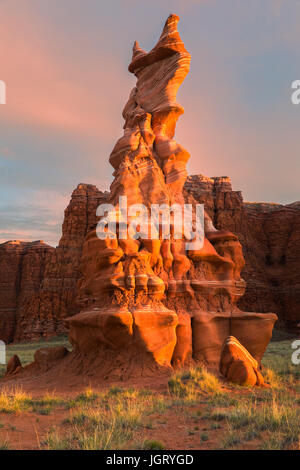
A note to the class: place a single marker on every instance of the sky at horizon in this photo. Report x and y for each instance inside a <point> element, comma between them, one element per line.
<point>65,63</point>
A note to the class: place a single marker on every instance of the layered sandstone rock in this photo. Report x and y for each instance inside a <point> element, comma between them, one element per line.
<point>274,261</point>
<point>22,269</point>
<point>154,297</point>
<point>124,279</point>
<point>270,237</point>
<point>273,283</point>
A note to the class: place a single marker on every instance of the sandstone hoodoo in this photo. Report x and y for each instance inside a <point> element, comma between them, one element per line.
<point>148,303</point>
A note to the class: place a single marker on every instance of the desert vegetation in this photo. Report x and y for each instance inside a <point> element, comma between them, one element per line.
<point>196,410</point>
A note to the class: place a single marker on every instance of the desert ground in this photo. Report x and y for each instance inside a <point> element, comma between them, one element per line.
<point>191,409</point>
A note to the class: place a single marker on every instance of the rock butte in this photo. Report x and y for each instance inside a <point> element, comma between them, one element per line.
<point>147,305</point>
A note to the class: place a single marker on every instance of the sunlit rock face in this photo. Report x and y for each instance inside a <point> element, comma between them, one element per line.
<point>154,299</point>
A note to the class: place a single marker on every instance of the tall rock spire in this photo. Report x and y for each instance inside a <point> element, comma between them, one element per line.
<point>139,293</point>
<point>152,111</point>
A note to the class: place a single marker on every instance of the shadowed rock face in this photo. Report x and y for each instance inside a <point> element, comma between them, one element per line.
<point>22,269</point>
<point>273,267</point>
<point>154,298</point>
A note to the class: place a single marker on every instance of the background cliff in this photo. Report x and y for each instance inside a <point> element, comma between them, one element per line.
<point>270,237</point>
<point>38,282</point>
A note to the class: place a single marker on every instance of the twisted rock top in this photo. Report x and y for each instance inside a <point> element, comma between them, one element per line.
<point>168,44</point>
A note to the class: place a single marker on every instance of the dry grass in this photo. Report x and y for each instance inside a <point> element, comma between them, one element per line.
<point>105,420</point>
<point>275,423</point>
<point>4,445</point>
<point>189,384</point>
<point>125,418</point>
<point>14,401</point>
<point>18,401</point>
